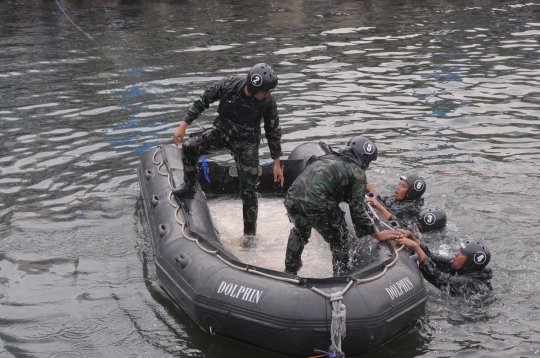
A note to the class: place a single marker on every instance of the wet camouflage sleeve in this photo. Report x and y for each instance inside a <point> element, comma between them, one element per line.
<point>402,212</point>
<point>272,129</point>
<point>212,94</point>
<point>457,285</point>
<point>362,223</point>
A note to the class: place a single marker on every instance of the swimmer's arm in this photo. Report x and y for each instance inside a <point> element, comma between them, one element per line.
<point>370,188</point>
<point>375,203</point>
<point>415,246</point>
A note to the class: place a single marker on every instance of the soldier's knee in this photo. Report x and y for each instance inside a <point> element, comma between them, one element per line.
<point>251,174</point>
<point>248,194</point>
<point>295,246</point>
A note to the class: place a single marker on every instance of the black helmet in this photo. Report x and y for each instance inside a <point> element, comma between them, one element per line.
<point>431,219</point>
<point>417,186</point>
<point>261,77</point>
<point>365,150</point>
<point>478,256</point>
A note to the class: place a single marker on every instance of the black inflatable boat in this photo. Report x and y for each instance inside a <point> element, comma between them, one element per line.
<point>384,295</point>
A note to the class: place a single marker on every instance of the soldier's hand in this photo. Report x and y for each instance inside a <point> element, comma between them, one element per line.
<point>409,235</point>
<point>179,133</point>
<point>372,201</point>
<point>278,173</point>
<point>406,233</point>
<point>407,242</point>
<point>387,235</point>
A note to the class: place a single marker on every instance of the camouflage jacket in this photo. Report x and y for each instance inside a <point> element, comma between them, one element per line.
<point>403,211</point>
<point>326,183</point>
<point>438,271</point>
<point>229,90</point>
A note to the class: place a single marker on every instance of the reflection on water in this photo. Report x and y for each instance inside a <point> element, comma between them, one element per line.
<point>446,89</point>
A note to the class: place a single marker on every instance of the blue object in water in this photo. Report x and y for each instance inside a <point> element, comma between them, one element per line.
<point>265,161</point>
<point>330,355</point>
<point>204,165</point>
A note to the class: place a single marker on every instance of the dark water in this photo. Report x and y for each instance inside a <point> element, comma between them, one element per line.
<point>449,89</point>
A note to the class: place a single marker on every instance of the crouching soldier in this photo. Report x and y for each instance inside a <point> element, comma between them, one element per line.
<point>465,274</point>
<point>313,200</point>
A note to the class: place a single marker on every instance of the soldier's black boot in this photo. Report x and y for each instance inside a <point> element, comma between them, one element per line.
<point>293,266</point>
<point>189,186</point>
<point>250,228</point>
<point>250,232</point>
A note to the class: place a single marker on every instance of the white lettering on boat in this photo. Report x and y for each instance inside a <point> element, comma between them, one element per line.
<point>240,292</point>
<point>399,288</point>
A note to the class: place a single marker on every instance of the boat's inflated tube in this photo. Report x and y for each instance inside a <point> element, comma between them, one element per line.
<point>268,309</point>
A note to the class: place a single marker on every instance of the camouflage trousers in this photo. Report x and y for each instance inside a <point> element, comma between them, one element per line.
<point>330,225</point>
<point>246,156</point>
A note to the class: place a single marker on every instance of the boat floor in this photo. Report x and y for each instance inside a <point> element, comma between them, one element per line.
<point>273,227</point>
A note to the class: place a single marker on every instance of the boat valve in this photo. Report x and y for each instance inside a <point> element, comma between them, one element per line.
<point>163,230</point>
<point>183,260</point>
<point>155,200</point>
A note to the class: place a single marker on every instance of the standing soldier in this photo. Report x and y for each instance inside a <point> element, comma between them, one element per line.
<point>245,101</point>
<point>313,201</point>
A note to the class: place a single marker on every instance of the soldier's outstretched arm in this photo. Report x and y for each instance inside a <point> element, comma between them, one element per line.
<point>387,235</point>
<point>361,222</point>
<point>413,245</point>
<point>409,235</point>
<point>370,188</point>
<point>374,202</point>
<point>439,260</point>
<point>212,94</point>
<point>272,130</point>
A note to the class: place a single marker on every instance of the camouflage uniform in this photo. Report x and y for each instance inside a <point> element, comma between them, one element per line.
<point>237,128</point>
<point>313,200</point>
<point>404,212</point>
<point>438,271</point>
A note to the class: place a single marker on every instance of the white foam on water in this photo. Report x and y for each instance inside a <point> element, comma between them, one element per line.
<point>273,229</point>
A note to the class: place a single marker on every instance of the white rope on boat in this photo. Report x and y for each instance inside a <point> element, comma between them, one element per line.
<point>291,280</point>
<point>159,167</point>
<point>170,202</point>
<point>154,156</point>
<point>365,280</point>
<point>212,252</point>
<point>169,182</point>
<point>231,264</point>
<point>338,328</point>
